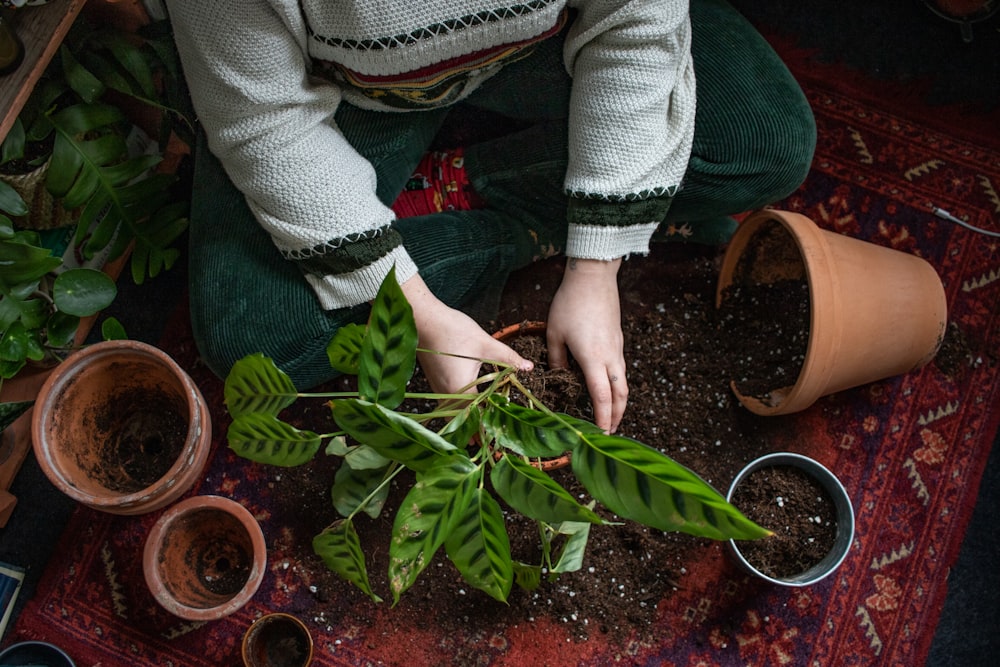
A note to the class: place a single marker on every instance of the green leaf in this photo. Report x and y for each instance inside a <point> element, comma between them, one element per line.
<point>353,487</point>
<point>426,518</point>
<point>639,483</point>
<point>24,262</point>
<point>536,495</point>
<point>392,435</point>
<point>9,412</point>
<point>85,84</point>
<point>527,432</point>
<point>364,457</point>
<point>60,329</point>
<point>11,202</point>
<point>83,292</point>
<point>344,349</point>
<point>389,350</point>
<point>463,427</point>
<point>112,329</point>
<point>340,549</point>
<point>480,548</point>
<point>527,577</point>
<point>264,438</point>
<point>573,551</point>
<point>256,384</point>
<point>19,344</point>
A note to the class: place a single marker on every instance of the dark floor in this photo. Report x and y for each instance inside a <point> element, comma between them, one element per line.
<point>897,40</point>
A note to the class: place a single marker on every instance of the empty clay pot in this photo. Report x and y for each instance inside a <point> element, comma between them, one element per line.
<point>875,312</point>
<point>120,427</point>
<point>204,558</point>
<point>277,640</point>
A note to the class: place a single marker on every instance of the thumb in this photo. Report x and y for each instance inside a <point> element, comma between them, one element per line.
<point>506,354</point>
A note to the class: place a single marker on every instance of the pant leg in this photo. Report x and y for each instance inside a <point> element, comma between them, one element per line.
<point>754,130</point>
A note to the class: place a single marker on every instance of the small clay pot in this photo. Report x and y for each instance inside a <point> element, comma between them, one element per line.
<point>875,312</point>
<point>204,558</point>
<point>120,427</point>
<point>35,653</point>
<point>841,505</point>
<point>531,328</point>
<point>277,640</point>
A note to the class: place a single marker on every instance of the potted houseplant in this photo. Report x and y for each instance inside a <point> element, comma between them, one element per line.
<point>39,310</point>
<point>204,558</point>
<point>77,158</point>
<point>809,511</point>
<point>120,427</point>
<point>462,471</point>
<point>871,312</point>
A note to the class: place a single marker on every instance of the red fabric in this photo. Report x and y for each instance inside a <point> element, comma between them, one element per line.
<point>910,451</point>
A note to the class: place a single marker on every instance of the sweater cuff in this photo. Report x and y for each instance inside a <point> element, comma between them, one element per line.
<point>360,286</point>
<point>608,230</point>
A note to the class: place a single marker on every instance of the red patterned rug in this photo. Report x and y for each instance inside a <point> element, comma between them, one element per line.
<point>910,451</point>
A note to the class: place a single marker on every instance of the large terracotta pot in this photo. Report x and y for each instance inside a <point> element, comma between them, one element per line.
<point>120,427</point>
<point>204,558</point>
<point>875,312</point>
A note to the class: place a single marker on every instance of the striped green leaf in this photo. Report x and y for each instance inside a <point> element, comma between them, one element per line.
<point>480,548</point>
<point>340,549</point>
<point>344,349</point>
<point>389,350</point>
<point>528,577</point>
<point>256,384</point>
<point>426,517</point>
<point>639,483</point>
<point>266,439</point>
<point>536,495</point>
<point>573,551</point>
<point>353,487</point>
<point>364,457</point>
<point>392,435</point>
<point>525,431</point>
<point>463,427</point>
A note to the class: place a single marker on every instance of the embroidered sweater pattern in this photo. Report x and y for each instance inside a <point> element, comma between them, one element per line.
<point>267,76</point>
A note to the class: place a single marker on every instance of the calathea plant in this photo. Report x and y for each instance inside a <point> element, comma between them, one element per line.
<point>465,472</point>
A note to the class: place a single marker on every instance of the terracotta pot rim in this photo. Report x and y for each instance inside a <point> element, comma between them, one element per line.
<point>842,505</point>
<point>192,458</point>
<point>150,556</point>
<point>529,327</point>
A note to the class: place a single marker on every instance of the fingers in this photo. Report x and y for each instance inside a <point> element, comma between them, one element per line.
<point>609,396</point>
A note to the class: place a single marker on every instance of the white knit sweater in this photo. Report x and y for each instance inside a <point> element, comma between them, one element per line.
<point>266,77</point>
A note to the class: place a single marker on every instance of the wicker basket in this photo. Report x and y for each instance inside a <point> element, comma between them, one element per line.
<point>44,210</point>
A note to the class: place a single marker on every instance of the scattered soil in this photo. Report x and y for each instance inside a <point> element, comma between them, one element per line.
<point>681,367</point>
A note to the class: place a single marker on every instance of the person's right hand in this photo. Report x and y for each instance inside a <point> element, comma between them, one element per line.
<point>444,329</point>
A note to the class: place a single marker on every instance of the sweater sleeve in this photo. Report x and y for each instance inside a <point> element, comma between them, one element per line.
<point>631,121</point>
<point>271,126</point>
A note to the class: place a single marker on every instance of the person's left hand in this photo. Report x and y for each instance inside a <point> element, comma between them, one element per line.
<point>585,319</point>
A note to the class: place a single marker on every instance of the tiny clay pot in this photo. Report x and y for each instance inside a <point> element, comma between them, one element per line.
<point>204,558</point>
<point>277,640</point>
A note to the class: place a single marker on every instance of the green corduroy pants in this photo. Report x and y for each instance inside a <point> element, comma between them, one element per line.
<point>753,144</point>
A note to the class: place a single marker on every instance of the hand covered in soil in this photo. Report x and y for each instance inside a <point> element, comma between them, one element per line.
<point>444,329</point>
<point>585,320</point>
